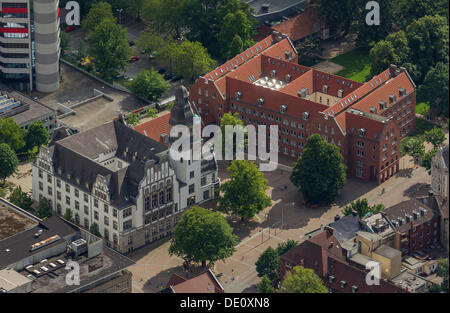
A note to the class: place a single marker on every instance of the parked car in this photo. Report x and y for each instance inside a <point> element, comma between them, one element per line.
<point>70,29</point>
<point>161,71</point>
<point>134,58</point>
<point>120,76</point>
<point>131,42</point>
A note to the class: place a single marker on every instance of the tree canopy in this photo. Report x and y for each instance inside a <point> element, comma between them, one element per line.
<point>21,198</point>
<point>302,280</point>
<point>268,264</point>
<point>8,162</point>
<point>98,13</point>
<point>149,85</point>
<point>37,135</point>
<point>435,88</point>
<point>244,194</point>
<point>319,172</point>
<point>265,285</point>
<point>203,235</point>
<point>11,134</point>
<point>362,207</point>
<point>108,44</point>
<point>44,208</point>
<point>435,136</point>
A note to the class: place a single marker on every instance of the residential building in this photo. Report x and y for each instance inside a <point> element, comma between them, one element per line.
<point>124,181</point>
<point>25,111</point>
<point>205,282</point>
<point>416,225</point>
<point>439,172</point>
<point>323,253</point>
<point>275,10</point>
<point>29,44</point>
<point>411,282</point>
<point>265,85</point>
<point>439,204</point>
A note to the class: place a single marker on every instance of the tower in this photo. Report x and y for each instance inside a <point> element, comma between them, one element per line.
<point>47,51</point>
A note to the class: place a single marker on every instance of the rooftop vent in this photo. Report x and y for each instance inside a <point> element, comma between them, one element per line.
<point>325,88</point>
<point>288,78</point>
<point>306,115</point>
<point>331,278</point>
<point>288,54</point>
<point>337,218</point>
<point>373,110</point>
<point>343,283</point>
<point>340,93</point>
<point>354,288</point>
<point>402,92</point>
<point>238,95</point>
<point>165,138</point>
<point>260,101</point>
<point>303,92</point>
<point>422,211</point>
<point>362,131</point>
<point>273,73</point>
<point>283,108</point>
<point>265,7</point>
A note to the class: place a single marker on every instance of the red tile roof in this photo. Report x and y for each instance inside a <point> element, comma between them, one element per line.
<point>155,128</point>
<point>301,26</point>
<point>205,282</point>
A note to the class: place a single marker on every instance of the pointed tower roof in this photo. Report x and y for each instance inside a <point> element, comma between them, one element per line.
<point>181,113</point>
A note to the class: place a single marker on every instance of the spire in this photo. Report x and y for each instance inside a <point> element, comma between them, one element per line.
<point>181,113</point>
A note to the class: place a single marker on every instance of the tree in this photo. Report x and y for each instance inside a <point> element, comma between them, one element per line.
<point>165,16</point>
<point>151,112</point>
<point>132,119</point>
<point>268,264</point>
<point>428,40</point>
<point>68,215</point>
<point>428,156</point>
<point>362,207</point>
<point>192,60</point>
<point>169,54</point>
<point>302,280</point>
<point>149,41</point>
<point>367,34</point>
<point>21,199</point>
<point>203,235</point>
<point>435,288</point>
<point>408,11</point>
<point>265,285</point>
<point>308,49</point>
<point>443,272</point>
<point>244,194</point>
<point>284,247</point>
<point>393,50</point>
<point>44,209</point>
<point>149,85</point>
<point>232,119</point>
<point>108,45</point>
<point>319,172</point>
<point>94,230</point>
<point>236,47</point>
<point>435,88</point>
<point>435,136</point>
<point>8,162</point>
<point>98,13</point>
<point>339,14</point>
<point>415,148</point>
<point>11,134</point>
<point>37,135</point>
<point>64,40</point>
<point>236,24</point>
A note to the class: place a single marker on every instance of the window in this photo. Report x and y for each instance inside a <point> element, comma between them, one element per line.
<point>77,205</point>
<point>67,200</point>
<point>106,208</point>
<point>67,187</point>
<point>41,186</point>
<point>206,195</point>
<point>106,220</point>
<point>96,203</point>
<point>96,215</point>
<point>126,212</point>
<point>191,174</point>
<point>203,182</point>
<point>86,209</point>
<point>191,188</point>
<point>161,197</point>
<point>115,225</point>
<point>169,195</point>
<point>147,203</point>
<point>49,190</point>
<point>49,178</point>
<point>115,212</point>
<point>154,203</point>
<point>77,193</point>
<point>58,183</point>
<point>86,198</point>
<point>127,225</point>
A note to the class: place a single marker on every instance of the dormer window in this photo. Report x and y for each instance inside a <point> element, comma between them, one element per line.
<point>402,92</point>
<point>306,116</point>
<point>325,88</point>
<point>382,105</point>
<point>354,289</point>
<point>392,98</point>
<point>273,73</point>
<point>238,95</point>
<point>340,93</point>
<point>362,132</point>
<point>288,78</point>
<point>331,278</point>
<point>283,108</point>
<point>260,101</point>
<point>343,283</point>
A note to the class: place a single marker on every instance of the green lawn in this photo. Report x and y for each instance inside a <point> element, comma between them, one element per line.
<point>422,108</point>
<point>357,64</point>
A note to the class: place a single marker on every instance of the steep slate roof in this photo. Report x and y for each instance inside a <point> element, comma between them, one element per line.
<point>74,159</point>
<point>407,207</point>
<point>346,227</point>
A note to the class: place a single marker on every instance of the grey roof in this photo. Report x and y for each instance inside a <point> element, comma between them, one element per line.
<point>74,161</point>
<point>361,259</point>
<point>387,251</point>
<point>346,227</point>
<point>30,110</point>
<point>19,244</point>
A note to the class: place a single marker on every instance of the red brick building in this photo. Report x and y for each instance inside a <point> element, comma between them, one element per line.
<point>205,282</point>
<point>417,225</point>
<point>323,254</point>
<point>265,85</point>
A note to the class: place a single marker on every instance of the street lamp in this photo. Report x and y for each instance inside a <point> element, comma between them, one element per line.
<point>120,15</point>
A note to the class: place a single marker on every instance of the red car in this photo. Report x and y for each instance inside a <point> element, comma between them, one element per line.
<point>70,29</point>
<point>134,58</point>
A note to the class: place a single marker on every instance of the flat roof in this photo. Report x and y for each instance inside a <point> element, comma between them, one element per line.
<point>12,222</point>
<point>273,5</point>
<point>36,110</point>
<point>95,269</point>
<point>10,279</point>
<point>17,247</point>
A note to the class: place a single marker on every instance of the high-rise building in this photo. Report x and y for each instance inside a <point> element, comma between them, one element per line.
<point>29,44</point>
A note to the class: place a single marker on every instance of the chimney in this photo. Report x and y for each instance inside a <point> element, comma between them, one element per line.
<point>337,218</point>
<point>329,231</point>
<point>354,213</point>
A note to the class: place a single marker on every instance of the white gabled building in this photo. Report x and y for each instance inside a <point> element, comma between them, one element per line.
<point>123,181</point>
